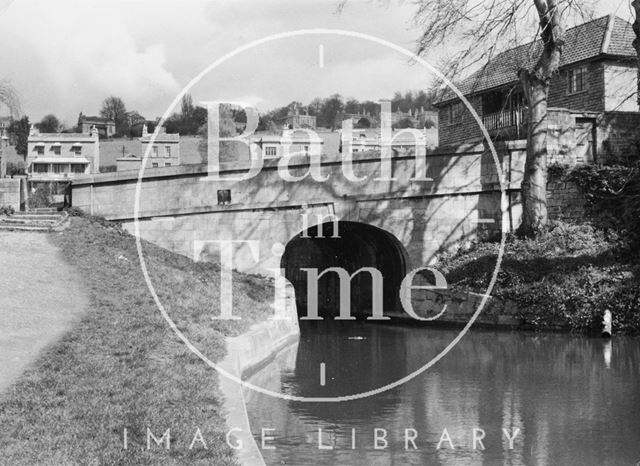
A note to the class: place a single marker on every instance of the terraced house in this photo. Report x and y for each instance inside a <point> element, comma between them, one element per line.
<point>60,157</point>
<point>593,109</point>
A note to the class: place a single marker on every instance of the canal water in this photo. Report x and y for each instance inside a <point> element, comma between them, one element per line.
<point>495,398</point>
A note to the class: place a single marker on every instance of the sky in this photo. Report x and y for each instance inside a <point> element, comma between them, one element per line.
<point>65,56</point>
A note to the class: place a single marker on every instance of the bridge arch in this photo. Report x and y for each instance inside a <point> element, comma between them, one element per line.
<point>358,245</point>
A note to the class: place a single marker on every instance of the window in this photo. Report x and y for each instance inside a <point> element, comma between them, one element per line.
<point>577,79</point>
<point>154,165</point>
<point>224,196</point>
<point>40,167</point>
<point>167,151</point>
<point>306,150</point>
<point>39,150</point>
<point>455,112</point>
<point>155,151</point>
<point>76,149</point>
<point>167,164</point>
<point>77,168</point>
<point>56,149</point>
<point>270,151</point>
<point>59,168</point>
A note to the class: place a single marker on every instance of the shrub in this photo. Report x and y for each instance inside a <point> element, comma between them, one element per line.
<point>15,168</point>
<point>567,276</point>
<point>7,210</point>
<point>613,197</point>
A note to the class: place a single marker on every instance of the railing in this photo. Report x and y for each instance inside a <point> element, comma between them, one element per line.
<point>505,119</point>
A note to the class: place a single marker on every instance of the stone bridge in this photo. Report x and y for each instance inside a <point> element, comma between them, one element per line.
<point>396,224</point>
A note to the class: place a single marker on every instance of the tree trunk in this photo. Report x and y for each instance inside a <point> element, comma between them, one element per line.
<point>636,43</point>
<point>535,84</point>
<point>534,183</point>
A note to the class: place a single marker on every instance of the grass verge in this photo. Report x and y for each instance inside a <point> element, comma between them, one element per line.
<point>121,366</point>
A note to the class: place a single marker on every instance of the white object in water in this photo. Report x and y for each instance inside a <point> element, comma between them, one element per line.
<point>606,323</point>
<point>356,338</point>
<point>607,354</point>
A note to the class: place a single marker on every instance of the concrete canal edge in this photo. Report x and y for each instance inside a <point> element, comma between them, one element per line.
<point>246,354</point>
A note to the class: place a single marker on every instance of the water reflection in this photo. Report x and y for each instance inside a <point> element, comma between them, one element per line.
<point>563,400</point>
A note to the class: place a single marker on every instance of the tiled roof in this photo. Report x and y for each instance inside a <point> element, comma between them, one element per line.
<point>608,35</point>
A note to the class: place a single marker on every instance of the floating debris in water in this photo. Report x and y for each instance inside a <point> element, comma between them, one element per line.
<point>356,338</point>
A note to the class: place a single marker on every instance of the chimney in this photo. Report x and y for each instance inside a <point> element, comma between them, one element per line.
<point>145,130</point>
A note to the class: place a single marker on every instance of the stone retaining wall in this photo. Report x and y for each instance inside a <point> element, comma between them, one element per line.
<point>10,192</point>
<point>246,354</point>
<point>461,306</point>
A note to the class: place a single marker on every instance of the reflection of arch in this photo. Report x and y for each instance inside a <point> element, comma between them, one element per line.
<point>359,245</point>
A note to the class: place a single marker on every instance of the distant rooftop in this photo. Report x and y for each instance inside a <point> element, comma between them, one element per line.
<point>163,136</point>
<point>95,119</point>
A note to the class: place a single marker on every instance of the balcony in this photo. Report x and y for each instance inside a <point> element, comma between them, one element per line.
<point>509,123</point>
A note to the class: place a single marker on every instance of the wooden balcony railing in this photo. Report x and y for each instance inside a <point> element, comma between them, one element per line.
<point>505,119</point>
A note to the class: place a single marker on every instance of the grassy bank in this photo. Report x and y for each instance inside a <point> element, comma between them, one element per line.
<point>567,277</point>
<point>121,366</point>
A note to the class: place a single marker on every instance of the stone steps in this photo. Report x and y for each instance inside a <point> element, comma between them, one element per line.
<point>5,227</point>
<point>35,220</point>
<point>25,216</point>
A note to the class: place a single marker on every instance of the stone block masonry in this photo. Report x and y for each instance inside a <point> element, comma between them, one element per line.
<point>565,201</point>
<point>10,192</point>
<point>458,200</point>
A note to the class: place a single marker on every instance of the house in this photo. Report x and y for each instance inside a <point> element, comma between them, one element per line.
<point>289,142</point>
<point>295,120</point>
<point>60,157</point>
<point>164,152</point>
<point>105,127</point>
<point>417,141</point>
<point>419,118</point>
<point>593,112</point>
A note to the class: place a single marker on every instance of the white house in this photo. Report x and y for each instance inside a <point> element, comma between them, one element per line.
<point>53,157</point>
<point>290,142</point>
<point>164,152</point>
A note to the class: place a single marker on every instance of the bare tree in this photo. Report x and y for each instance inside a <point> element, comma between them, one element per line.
<point>9,97</point>
<point>536,84</point>
<point>474,32</point>
<point>636,43</point>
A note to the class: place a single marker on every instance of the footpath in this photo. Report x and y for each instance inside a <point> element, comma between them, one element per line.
<point>40,298</point>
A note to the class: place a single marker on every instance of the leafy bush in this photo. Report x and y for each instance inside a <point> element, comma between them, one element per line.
<point>7,210</point>
<point>565,277</point>
<point>15,168</point>
<point>40,197</point>
<point>75,212</point>
<point>108,168</point>
<point>613,197</point>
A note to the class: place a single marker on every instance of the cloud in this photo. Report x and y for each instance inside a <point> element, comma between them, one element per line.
<point>67,56</point>
<point>71,55</point>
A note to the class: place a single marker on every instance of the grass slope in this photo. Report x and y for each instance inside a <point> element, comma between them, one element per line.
<point>121,366</point>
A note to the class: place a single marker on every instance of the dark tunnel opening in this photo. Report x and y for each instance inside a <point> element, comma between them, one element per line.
<point>358,245</point>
